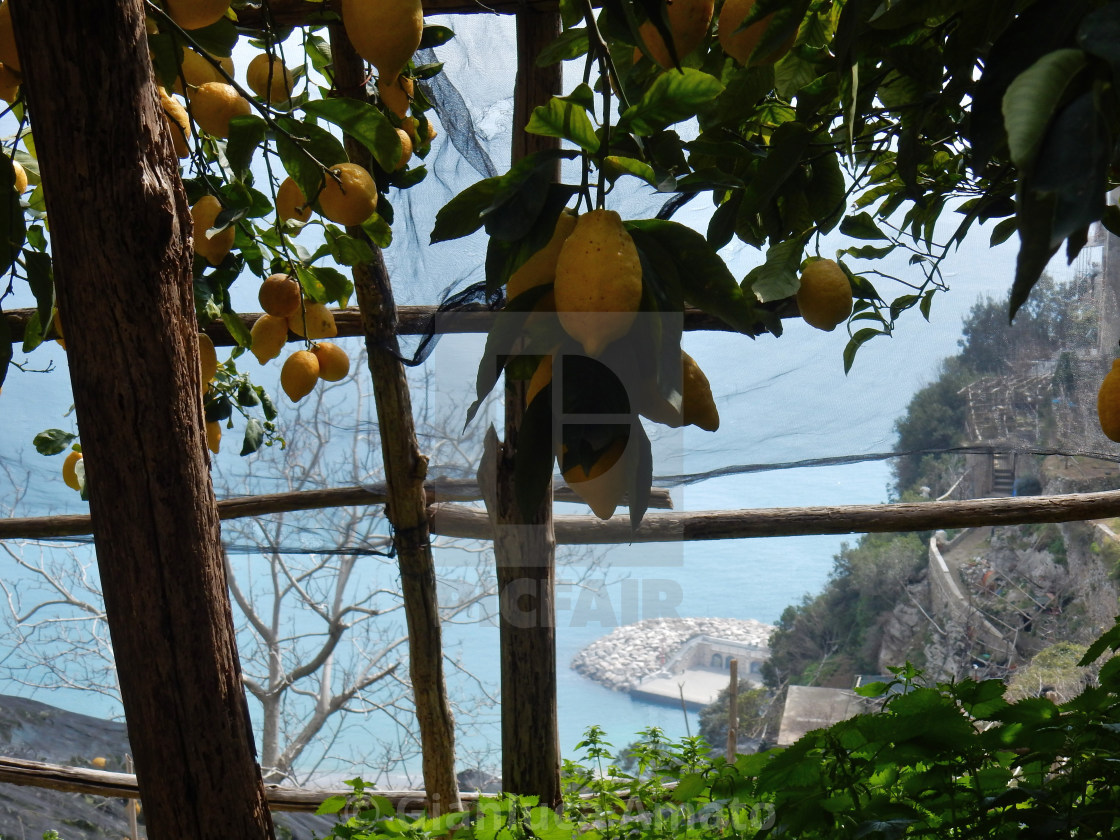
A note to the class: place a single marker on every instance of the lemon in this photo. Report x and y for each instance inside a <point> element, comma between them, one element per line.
<point>8,54</point>
<point>195,70</point>
<point>396,94</point>
<point>299,374</point>
<point>70,471</point>
<point>196,14</point>
<point>57,323</point>
<point>99,762</point>
<point>598,281</point>
<point>740,44</point>
<point>269,335</point>
<point>540,268</point>
<point>213,436</point>
<point>178,123</point>
<point>291,203</point>
<point>207,359</point>
<point>351,198</point>
<point>1108,403</point>
<point>9,83</point>
<point>698,406</point>
<point>257,75</point>
<point>334,363</point>
<point>319,320</point>
<point>203,214</point>
<point>19,177</point>
<point>280,295</point>
<point>406,148</point>
<point>825,295</point>
<point>384,32</point>
<point>214,104</point>
<point>603,487</point>
<point>688,21</point>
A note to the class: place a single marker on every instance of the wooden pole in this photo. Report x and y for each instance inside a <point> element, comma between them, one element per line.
<point>405,470</point>
<point>524,547</point>
<point>733,712</point>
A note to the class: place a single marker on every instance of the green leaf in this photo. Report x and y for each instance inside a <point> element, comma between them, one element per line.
<point>331,805</point>
<point>706,282</point>
<point>672,97</point>
<point>1003,230</point>
<point>861,226</point>
<point>378,230</point>
<point>53,441</point>
<point>788,145</point>
<point>246,133</point>
<point>218,39</point>
<point>254,437</point>
<point>522,195</point>
<point>308,139</point>
<point>435,36</point>
<point>855,342</point>
<point>570,44</point>
<point>32,333</point>
<point>566,120</point>
<point>462,215</point>
<point>364,123</point>
<point>689,787</point>
<point>40,277</point>
<point>237,329</point>
<point>641,478</point>
<point>1033,97</point>
<point>630,166</point>
<point>325,284</point>
<point>346,249</point>
<point>318,49</point>
<point>5,346</point>
<point>166,49</point>
<point>776,279</point>
<point>11,219</point>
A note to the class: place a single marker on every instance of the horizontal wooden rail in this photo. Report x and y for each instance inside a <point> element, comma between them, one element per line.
<point>472,523</point>
<point>37,774</point>
<point>411,320</point>
<point>240,507</point>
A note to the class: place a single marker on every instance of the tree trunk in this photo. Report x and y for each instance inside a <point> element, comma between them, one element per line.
<point>525,550</point>
<point>120,235</point>
<point>405,470</point>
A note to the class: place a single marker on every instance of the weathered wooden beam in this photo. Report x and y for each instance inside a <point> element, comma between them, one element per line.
<point>241,507</point>
<point>471,523</point>
<point>15,771</point>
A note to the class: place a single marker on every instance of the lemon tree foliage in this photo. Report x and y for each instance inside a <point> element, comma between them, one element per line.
<point>899,124</point>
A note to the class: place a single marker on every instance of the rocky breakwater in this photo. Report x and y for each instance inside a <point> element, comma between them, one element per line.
<point>627,655</point>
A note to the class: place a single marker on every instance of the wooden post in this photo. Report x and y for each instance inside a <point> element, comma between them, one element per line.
<point>525,548</point>
<point>121,244</point>
<point>733,711</point>
<point>405,471</point>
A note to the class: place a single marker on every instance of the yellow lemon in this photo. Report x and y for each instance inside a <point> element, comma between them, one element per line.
<point>334,363</point>
<point>280,295</point>
<point>214,104</point>
<point>351,197</point>
<point>269,335</point>
<point>396,94</point>
<point>207,359</point>
<point>299,374</point>
<point>688,21</point>
<point>19,176</point>
<point>698,406</point>
<point>384,32</point>
<point>9,83</point>
<point>195,70</point>
<point>203,214</point>
<point>540,268</point>
<point>1108,403</point>
<point>406,148</point>
<point>196,14</point>
<point>319,320</point>
<point>279,88</point>
<point>99,762</point>
<point>542,377</point>
<point>8,54</point>
<point>70,471</point>
<point>604,485</point>
<point>213,436</point>
<point>178,123</point>
<point>825,295</point>
<point>291,202</point>
<point>598,281</point>
<point>740,44</point>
